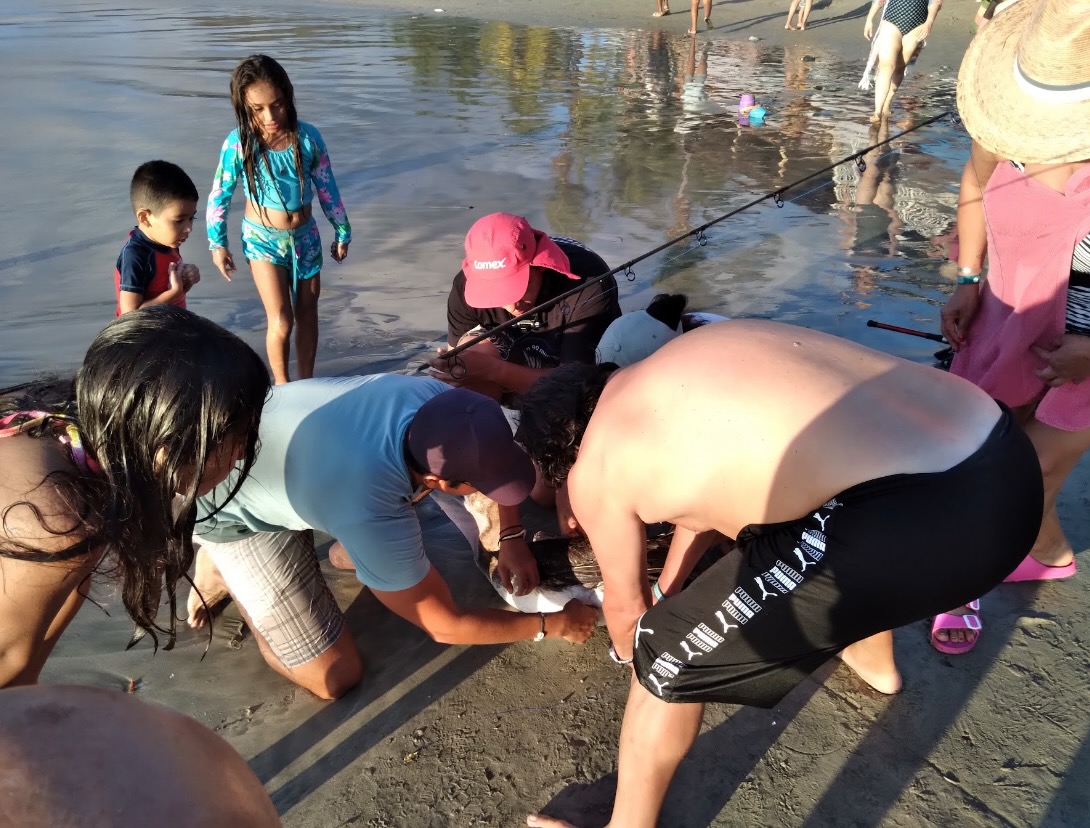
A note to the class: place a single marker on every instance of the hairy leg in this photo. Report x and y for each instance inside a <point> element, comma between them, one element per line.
<point>275,292</point>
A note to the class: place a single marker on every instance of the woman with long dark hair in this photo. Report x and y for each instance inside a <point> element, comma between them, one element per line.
<point>102,473</point>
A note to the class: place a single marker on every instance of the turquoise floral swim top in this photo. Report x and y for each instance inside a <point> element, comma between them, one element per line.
<point>278,184</point>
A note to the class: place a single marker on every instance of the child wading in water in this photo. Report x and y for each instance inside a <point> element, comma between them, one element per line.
<point>282,162</point>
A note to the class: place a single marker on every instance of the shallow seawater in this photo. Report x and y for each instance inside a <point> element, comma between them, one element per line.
<point>624,140</point>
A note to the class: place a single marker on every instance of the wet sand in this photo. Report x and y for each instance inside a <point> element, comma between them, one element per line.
<point>455,736</point>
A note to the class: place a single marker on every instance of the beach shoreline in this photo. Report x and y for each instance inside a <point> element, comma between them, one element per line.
<point>835,25</point>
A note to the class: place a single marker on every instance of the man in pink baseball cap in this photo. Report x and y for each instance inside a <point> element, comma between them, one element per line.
<point>509,269</point>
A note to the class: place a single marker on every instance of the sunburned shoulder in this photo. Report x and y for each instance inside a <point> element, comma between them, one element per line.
<point>34,511</point>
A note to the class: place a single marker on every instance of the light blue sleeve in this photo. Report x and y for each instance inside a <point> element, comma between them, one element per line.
<point>228,173</point>
<point>325,185</point>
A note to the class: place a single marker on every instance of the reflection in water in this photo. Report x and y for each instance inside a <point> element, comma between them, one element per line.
<point>624,139</point>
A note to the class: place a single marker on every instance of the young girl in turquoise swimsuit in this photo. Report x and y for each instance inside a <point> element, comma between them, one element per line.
<point>283,162</point>
<point>108,469</point>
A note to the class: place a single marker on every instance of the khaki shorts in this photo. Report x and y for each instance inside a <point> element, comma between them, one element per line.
<point>276,579</point>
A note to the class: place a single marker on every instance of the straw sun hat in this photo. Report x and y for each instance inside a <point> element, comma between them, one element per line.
<point>1024,84</point>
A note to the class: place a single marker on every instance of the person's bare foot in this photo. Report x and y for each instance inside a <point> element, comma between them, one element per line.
<point>691,31</point>
<point>789,27</point>
<point>708,22</point>
<point>207,584</point>
<point>338,556</point>
<point>879,673</point>
<point>542,821</point>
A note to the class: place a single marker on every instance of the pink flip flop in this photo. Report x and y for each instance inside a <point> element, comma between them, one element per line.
<point>950,621</point>
<point>1032,569</point>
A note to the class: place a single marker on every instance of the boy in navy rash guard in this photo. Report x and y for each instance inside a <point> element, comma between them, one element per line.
<point>149,269</point>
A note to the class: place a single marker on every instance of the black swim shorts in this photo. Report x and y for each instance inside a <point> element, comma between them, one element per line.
<point>880,555</point>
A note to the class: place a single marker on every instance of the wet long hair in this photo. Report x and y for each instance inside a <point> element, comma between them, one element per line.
<point>160,390</point>
<point>262,69</point>
<point>555,413</point>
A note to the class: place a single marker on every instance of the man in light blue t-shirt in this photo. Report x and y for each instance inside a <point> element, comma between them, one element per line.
<point>351,457</point>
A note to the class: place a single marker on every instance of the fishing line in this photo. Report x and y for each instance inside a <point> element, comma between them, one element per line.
<point>457,367</point>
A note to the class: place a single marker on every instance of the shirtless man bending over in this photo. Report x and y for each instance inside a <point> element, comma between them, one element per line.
<point>847,476</point>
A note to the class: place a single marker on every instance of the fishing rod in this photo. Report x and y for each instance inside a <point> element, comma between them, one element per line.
<point>934,337</point>
<point>458,368</point>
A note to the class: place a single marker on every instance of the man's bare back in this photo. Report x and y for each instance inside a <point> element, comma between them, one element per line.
<point>830,414</point>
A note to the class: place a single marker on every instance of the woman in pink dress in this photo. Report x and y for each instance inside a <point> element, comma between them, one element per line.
<point>1021,328</point>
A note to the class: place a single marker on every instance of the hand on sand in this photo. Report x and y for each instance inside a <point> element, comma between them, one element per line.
<point>208,585</point>
<point>577,622</point>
